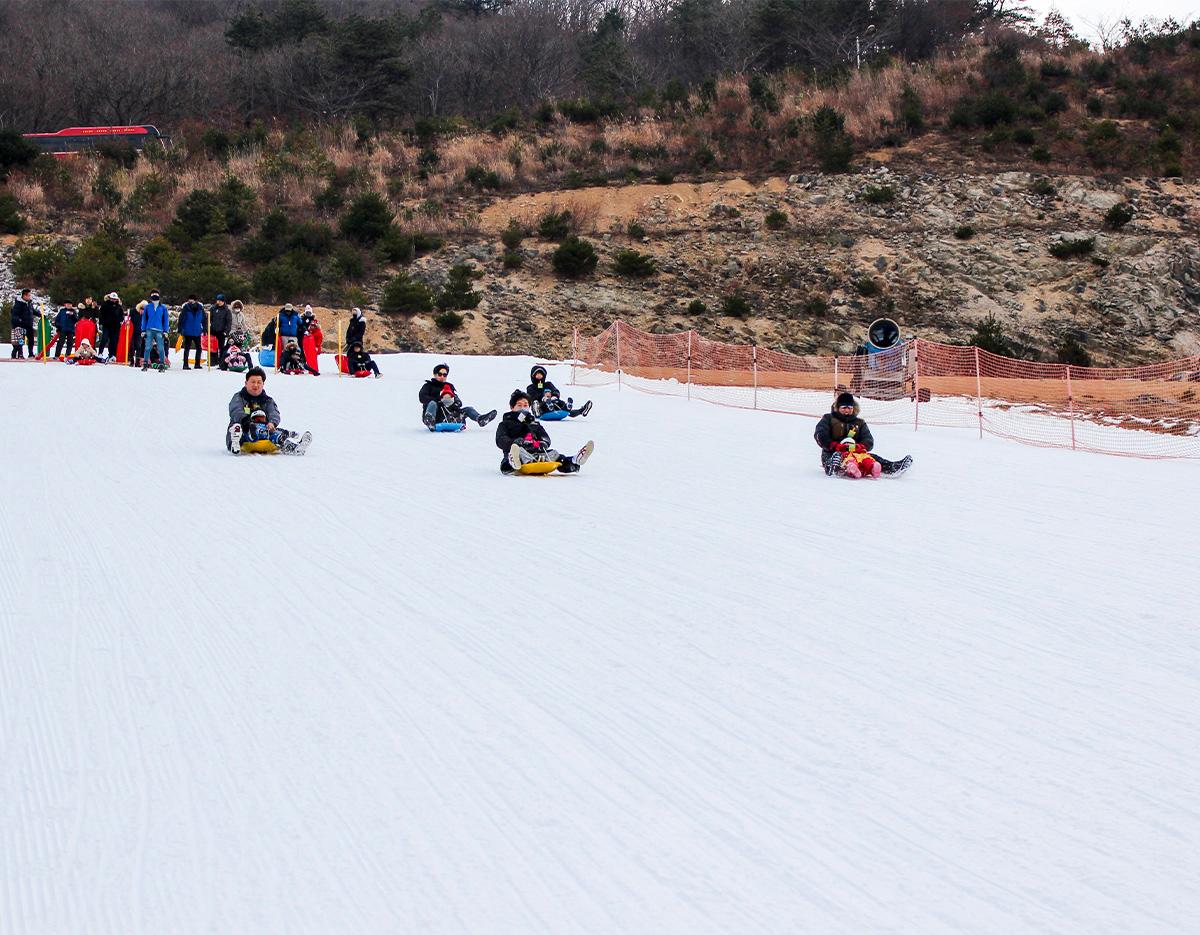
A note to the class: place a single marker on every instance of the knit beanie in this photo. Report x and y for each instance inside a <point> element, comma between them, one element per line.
<point>845,399</point>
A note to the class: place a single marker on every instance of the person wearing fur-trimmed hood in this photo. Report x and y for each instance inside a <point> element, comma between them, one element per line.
<point>544,396</point>
<point>843,431</point>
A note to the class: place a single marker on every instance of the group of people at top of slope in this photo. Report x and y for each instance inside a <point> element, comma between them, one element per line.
<point>91,332</point>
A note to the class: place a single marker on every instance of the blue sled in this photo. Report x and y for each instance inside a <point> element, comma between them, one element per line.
<point>266,358</point>
<point>556,416</point>
<point>449,426</point>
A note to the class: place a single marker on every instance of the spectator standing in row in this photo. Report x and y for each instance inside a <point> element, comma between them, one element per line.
<point>64,324</point>
<point>356,329</point>
<point>111,316</point>
<point>220,323</point>
<point>22,324</point>
<point>156,321</point>
<point>191,326</point>
<point>239,327</point>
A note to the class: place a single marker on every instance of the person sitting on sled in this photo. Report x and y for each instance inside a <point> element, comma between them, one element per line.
<point>440,399</point>
<point>293,361</point>
<point>522,439</point>
<point>235,358</point>
<point>359,361</point>
<point>544,396</point>
<point>253,415</point>
<point>84,354</point>
<point>846,443</point>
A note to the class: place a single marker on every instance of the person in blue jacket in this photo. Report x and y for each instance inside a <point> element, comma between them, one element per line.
<point>289,324</point>
<point>64,324</point>
<point>191,326</point>
<point>156,320</point>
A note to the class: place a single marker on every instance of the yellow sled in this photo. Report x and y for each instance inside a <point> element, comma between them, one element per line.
<point>539,467</point>
<point>263,447</point>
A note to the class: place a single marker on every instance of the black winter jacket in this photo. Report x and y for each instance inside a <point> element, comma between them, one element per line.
<point>513,428</point>
<point>111,314</point>
<point>535,391</point>
<point>431,391</point>
<point>220,319</point>
<point>833,429</point>
<point>355,330</point>
<point>358,360</point>
<point>22,315</point>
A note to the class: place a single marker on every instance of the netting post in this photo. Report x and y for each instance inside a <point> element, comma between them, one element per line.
<point>574,351</point>
<point>835,374</point>
<point>917,386</point>
<point>689,365</point>
<point>617,332</point>
<point>978,392</point>
<point>1071,406</point>
<point>754,370</point>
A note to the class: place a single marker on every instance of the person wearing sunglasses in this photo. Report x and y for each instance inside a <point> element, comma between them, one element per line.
<point>440,402</point>
<point>845,440</point>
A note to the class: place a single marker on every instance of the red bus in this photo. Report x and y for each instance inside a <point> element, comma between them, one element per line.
<point>82,139</point>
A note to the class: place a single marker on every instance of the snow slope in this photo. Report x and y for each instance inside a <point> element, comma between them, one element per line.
<point>698,688</point>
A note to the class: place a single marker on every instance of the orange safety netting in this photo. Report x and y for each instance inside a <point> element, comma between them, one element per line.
<point>1149,412</point>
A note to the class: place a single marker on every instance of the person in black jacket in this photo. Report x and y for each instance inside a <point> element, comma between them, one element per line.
<point>544,396</point>
<point>111,316</point>
<point>22,325</point>
<point>220,323</point>
<point>359,361</point>
<point>356,329</point>
<point>440,402</point>
<point>842,423</point>
<point>522,439</point>
<point>64,324</point>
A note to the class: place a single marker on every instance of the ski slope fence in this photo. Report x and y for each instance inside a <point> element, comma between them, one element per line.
<point>1145,412</point>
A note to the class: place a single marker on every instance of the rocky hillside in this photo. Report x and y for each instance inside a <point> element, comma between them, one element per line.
<point>818,257</point>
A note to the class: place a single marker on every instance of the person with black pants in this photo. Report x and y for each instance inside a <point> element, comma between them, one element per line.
<point>191,326</point>
<point>220,320</point>
<point>111,316</point>
<point>22,317</point>
<point>64,324</point>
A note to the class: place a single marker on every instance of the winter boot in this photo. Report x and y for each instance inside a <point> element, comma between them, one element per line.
<point>486,418</point>
<point>514,457</point>
<point>834,464</point>
<point>235,439</point>
<point>851,469</point>
<point>584,453</point>
<point>429,420</point>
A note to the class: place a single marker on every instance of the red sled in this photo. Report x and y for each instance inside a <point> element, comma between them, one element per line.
<point>209,344</point>
<point>312,347</point>
<point>362,373</point>
<point>124,339</point>
<point>85,329</point>
<point>85,361</point>
<point>342,363</point>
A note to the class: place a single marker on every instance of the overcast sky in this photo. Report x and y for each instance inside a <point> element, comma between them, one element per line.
<point>1085,14</point>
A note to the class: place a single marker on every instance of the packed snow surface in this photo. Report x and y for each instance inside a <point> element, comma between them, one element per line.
<point>696,688</point>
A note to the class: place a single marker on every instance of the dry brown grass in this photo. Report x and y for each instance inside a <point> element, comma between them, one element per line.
<point>29,193</point>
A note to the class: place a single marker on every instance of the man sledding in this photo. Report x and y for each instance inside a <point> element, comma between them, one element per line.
<point>526,445</point>
<point>254,422</point>
<point>545,399</point>
<point>441,405</point>
<point>846,444</point>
